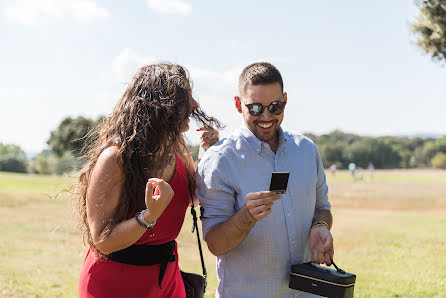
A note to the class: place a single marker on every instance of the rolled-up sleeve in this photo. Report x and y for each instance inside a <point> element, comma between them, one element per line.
<point>217,197</point>
<point>322,202</point>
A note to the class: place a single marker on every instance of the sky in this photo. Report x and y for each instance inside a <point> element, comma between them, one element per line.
<point>347,65</point>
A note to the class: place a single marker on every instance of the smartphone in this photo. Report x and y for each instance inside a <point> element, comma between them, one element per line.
<point>279,182</point>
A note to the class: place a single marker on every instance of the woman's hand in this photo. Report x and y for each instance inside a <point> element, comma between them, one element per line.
<point>158,195</point>
<point>209,137</point>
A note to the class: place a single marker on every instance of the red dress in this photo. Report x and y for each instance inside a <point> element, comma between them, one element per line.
<point>107,278</point>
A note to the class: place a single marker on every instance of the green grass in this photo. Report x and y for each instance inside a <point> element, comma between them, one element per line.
<point>390,232</point>
<point>39,245</point>
<point>393,254</point>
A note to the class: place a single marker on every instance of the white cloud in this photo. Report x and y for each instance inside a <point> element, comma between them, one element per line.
<point>223,79</point>
<point>126,63</point>
<point>31,12</point>
<point>177,7</point>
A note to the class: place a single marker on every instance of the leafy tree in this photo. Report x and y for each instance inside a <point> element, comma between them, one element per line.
<point>333,154</point>
<point>67,163</point>
<point>12,159</point>
<point>367,150</point>
<point>431,28</point>
<point>194,151</point>
<point>12,164</point>
<point>12,150</point>
<point>417,159</point>
<point>70,136</point>
<point>404,146</point>
<point>432,147</point>
<point>338,136</point>
<point>312,137</point>
<point>46,162</point>
<point>439,160</point>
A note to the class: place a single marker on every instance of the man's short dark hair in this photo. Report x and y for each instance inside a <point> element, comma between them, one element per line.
<point>260,73</point>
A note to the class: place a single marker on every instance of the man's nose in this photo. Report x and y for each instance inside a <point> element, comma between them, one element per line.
<point>266,114</point>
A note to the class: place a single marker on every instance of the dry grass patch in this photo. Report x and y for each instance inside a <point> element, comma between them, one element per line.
<point>386,195</point>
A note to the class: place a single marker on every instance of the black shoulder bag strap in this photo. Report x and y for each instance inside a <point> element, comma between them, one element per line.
<point>195,225</point>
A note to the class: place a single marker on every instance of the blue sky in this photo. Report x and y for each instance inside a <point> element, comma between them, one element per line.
<point>349,65</point>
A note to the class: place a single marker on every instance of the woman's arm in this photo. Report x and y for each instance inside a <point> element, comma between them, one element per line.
<point>103,195</point>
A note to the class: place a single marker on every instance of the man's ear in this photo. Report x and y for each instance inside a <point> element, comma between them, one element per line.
<point>285,97</point>
<point>238,105</point>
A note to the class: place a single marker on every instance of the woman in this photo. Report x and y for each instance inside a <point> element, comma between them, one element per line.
<point>134,189</point>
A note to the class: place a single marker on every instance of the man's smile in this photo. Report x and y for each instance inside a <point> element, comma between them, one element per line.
<point>266,125</point>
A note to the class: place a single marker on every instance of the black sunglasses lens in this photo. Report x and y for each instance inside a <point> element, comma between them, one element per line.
<point>275,108</point>
<point>255,109</point>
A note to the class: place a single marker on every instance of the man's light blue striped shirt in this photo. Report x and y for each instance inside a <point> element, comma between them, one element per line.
<point>260,265</point>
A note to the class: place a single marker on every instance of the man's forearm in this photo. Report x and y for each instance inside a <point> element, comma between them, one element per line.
<point>323,215</point>
<point>227,235</point>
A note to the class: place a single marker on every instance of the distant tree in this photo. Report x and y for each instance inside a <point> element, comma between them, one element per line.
<point>431,28</point>
<point>342,148</point>
<point>70,136</point>
<point>432,147</point>
<point>12,159</point>
<point>66,164</point>
<point>333,145</point>
<point>439,160</point>
<point>44,162</point>
<point>404,146</point>
<point>11,164</point>
<point>415,142</point>
<point>418,159</point>
<point>379,153</point>
<point>194,151</point>
<point>338,136</point>
<point>12,150</point>
<point>312,137</point>
<point>333,154</point>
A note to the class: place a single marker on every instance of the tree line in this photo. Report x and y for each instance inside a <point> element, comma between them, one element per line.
<point>383,152</point>
<point>66,145</point>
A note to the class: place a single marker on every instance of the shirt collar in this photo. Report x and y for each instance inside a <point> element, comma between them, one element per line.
<point>256,143</point>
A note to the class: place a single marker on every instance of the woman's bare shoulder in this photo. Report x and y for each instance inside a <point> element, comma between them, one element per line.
<point>109,162</point>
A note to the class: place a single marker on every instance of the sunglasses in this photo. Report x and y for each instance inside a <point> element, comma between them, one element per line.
<point>256,109</point>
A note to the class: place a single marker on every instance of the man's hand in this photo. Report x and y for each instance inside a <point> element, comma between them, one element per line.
<point>259,203</point>
<point>321,243</point>
<point>209,137</point>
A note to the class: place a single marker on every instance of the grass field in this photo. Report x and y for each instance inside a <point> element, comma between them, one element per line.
<point>389,230</point>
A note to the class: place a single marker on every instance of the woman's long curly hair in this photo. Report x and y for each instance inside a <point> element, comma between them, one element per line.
<point>146,125</point>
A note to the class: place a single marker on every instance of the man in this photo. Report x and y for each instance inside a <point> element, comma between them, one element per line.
<point>258,234</point>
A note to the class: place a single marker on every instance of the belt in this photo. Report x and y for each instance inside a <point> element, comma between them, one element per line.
<point>146,255</point>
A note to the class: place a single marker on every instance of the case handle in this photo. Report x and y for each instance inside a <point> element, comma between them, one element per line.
<point>337,268</point>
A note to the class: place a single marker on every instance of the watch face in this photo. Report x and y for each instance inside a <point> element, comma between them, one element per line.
<point>279,182</point>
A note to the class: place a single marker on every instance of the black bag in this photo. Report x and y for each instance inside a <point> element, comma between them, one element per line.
<point>323,281</point>
<point>195,284</point>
